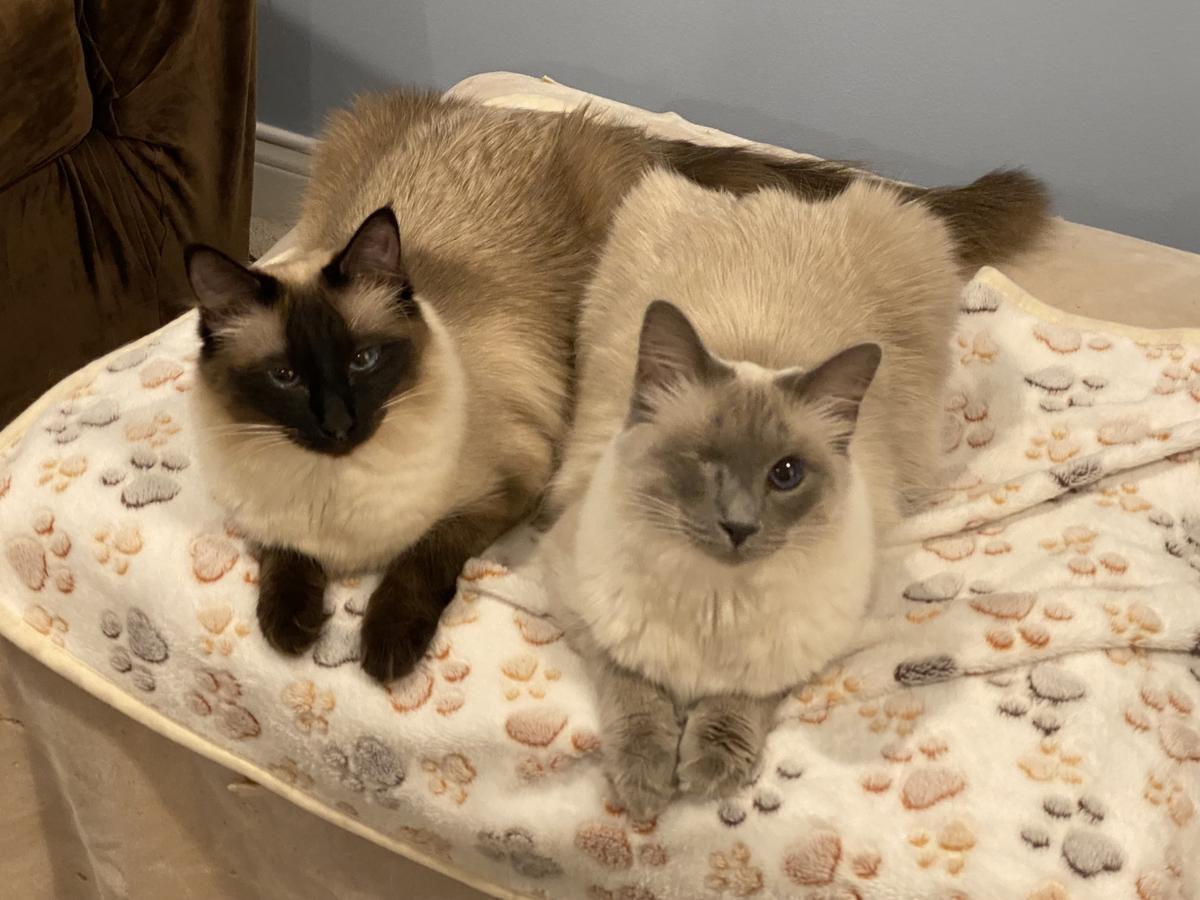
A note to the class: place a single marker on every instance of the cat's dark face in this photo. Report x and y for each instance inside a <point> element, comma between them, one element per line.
<point>740,464</point>
<point>317,359</point>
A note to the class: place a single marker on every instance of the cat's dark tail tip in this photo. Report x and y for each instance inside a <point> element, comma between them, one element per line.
<point>995,217</point>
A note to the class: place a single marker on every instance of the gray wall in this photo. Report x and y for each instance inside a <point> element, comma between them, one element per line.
<point>1100,97</point>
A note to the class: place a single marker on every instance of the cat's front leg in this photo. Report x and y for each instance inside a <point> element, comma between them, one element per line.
<point>291,599</point>
<point>403,612</point>
<point>722,742</point>
<point>640,739</point>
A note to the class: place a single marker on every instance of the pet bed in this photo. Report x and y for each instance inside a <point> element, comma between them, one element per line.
<point>1027,727</point>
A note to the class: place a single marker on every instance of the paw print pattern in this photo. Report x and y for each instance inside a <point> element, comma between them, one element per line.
<point>213,557</point>
<point>153,432</point>
<point>115,548</point>
<point>1126,497</point>
<point>69,421</point>
<point>310,706</point>
<point>1012,611</point>
<point>948,848</point>
<point>221,632</point>
<point>1077,543</point>
<point>618,843</point>
<point>46,623</point>
<point>1085,850</point>
<point>161,371</point>
<point>60,473</point>
<point>1061,389</point>
<point>39,559</point>
<point>217,696</point>
<point>449,776</point>
<point>1059,338</point>
<point>369,767</point>
<point>1178,377</point>
<point>764,795</point>
<point>1184,540</point>
<point>966,420</point>
<point>516,847</point>
<point>979,348</point>
<point>147,486</point>
<point>1165,790</point>
<point>527,676</point>
<point>143,644</point>
<point>1058,446</point>
<point>435,678</point>
<point>732,873</point>
<point>1125,430</point>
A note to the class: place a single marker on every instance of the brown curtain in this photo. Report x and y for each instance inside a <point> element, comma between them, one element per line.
<point>126,131</point>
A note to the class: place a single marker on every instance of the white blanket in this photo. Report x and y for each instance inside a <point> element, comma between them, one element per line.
<point>1022,731</point>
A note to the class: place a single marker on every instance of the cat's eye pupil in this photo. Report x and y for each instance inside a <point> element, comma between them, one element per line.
<point>786,474</point>
<point>364,359</point>
<point>284,375</point>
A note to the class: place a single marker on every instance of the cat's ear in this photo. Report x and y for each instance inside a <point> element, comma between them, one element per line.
<point>670,353</point>
<point>373,252</point>
<point>838,384</point>
<point>224,287</point>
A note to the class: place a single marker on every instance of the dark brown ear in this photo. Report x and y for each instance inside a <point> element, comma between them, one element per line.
<point>670,353</point>
<point>224,287</point>
<point>373,252</point>
<point>841,382</point>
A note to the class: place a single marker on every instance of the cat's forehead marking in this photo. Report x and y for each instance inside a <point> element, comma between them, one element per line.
<point>255,335</point>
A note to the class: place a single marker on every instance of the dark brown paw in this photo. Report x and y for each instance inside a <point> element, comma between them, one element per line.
<point>392,647</point>
<point>291,601</point>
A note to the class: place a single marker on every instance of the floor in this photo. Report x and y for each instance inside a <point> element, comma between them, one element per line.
<point>264,233</point>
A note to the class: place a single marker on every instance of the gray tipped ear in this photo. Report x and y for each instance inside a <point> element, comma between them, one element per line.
<point>840,383</point>
<point>670,353</point>
<point>373,252</point>
<point>224,287</point>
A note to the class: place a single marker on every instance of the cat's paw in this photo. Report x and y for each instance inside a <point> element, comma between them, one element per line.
<point>392,646</point>
<point>291,615</point>
<point>641,769</point>
<point>717,757</point>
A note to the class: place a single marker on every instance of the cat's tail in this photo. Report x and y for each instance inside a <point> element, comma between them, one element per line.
<point>992,219</point>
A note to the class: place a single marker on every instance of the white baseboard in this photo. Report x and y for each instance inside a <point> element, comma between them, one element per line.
<point>281,163</point>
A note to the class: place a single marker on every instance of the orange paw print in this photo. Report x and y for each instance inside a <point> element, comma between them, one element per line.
<point>897,715</point>
<point>731,873</point>
<point>60,474</point>
<point>1078,542</point>
<point>160,371</point>
<point>1178,376</point>
<point>1163,350</point>
<point>39,559</point>
<point>449,776</point>
<point>1129,430</point>
<point>949,848</point>
<point>1166,791</point>
<point>154,431</point>
<point>46,623</point>
<point>116,547</point>
<point>972,487</point>
<point>1059,338</point>
<point>830,689</point>
<point>1126,497</point>
<point>311,707</point>
<point>1137,623</point>
<point>966,420</point>
<point>979,349</point>
<point>438,670</point>
<point>220,638</point>
<point>1058,447</point>
<point>521,670</point>
<point>1052,762</point>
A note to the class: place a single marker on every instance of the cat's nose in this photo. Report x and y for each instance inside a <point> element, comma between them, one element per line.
<point>337,421</point>
<point>739,532</point>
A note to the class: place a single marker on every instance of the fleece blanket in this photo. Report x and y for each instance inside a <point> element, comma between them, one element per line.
<point>1025,726</point>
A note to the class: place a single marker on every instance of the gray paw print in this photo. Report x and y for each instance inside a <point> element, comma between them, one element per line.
<point>142,642</point>
<point>1061,388</point>
<point>516,846</point>
<point>760,797</point>
<point>1183,540</point>
<point>147,486</point>
<point>1045,688</point>
<point>70,419</point>
<point>1086,851</point>
<point>369,766</point>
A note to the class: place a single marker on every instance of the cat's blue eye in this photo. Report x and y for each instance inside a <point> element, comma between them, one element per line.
<point>786,474</point>
<point>284,377</point>
<point>364,360</point>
